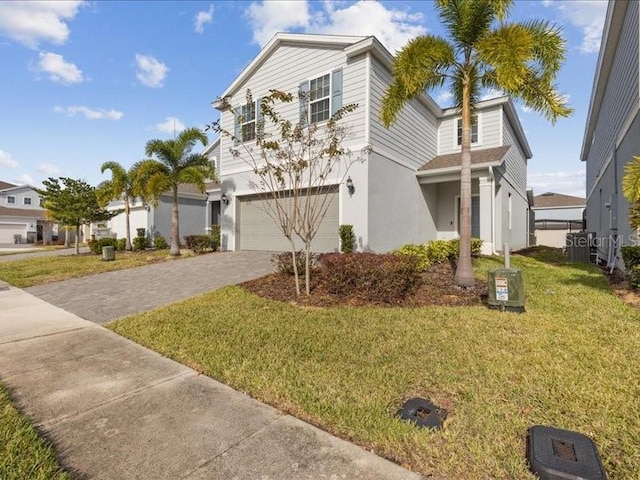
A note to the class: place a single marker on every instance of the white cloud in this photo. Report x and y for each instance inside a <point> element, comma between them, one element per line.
<point>393,27</point>
<point>202,18</point>
<point>444,97</point>
<point>491,93</point>
<point>7,161</point>
<point>48,169</point>
<point>30,22</point>
<point>170,125</point>
<point>24,179</point>
<point>58,69</point>
<point>569,183</point>
<point>150,72</point>
<point>586,15</point>
<point>90,114</point>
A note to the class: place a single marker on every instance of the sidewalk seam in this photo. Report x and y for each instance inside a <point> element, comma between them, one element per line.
<point>17,340</point>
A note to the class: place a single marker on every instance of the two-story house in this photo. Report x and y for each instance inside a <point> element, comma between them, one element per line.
<point>407,190</point>
<point>22,219</point>
<point>612,131</point>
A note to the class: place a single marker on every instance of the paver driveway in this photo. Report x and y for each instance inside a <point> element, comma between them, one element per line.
<point>107,296</point>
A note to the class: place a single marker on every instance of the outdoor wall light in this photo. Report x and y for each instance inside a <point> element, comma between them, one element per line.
<point>224,199</point>
<point>350,186</point>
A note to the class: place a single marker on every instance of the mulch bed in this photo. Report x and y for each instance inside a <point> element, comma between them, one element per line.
<point>436,288</point>
<point>620,286</point>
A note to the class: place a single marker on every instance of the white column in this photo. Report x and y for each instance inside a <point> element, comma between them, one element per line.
<point>486,214</point>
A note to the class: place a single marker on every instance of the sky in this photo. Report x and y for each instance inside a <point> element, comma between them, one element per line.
<point>85,82</point>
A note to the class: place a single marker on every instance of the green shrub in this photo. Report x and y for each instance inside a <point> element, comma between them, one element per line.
<point>199,243</point>
<point>417,251</point>
<point>121,244</point>
<point>630,256</point>
<point>370,277</point>
<point>141,232</point>
<point>140,243</point>
<point>159,242</point>
<point>215,235</point>
<point>347,238</point>
<point>438,251</point>
<point>633,276</point>
<point>283,262</point>
<point>476,248</point>
<point>95,246</point>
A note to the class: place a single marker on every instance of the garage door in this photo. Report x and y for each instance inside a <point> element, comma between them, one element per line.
<point>8,230</point>
<point>259,232</point>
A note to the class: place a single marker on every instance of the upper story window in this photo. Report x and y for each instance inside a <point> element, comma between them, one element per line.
<point>26,201</point>
<point>320,97</point>
<point>474,130</point>
<point>11,199</point>
<point>40,201</point>
<point>248,113</point>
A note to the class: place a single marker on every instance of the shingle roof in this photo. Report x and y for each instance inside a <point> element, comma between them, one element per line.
<point>211,185</point>
<point>188,188</point>
<point>5,185</point>
<point>551,199</point>
<point>485,155</point>
<point>21,212</point>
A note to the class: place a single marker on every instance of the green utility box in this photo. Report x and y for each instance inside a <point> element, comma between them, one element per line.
<point>108,254</point>
<point>506,290</point>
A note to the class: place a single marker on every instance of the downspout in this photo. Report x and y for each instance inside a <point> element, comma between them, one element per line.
<point>493,212</point>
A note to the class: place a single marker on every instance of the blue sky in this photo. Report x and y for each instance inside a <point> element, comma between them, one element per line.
<point>87,82</point>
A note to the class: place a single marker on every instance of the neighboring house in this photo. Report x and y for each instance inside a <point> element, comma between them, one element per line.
<point>157,219</point>
<point>22,219</point>
<point>213,211</point>
<point>555,216</point>
<point>612,131</point>
<point>408,189</point>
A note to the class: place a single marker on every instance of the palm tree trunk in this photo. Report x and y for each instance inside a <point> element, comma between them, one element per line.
<point>175,227</point>
<point>127,211</point>
<point>464,270</point>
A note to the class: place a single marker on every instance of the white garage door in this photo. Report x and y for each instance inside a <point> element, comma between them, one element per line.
<point>259,232</point>
<point>8,230</point>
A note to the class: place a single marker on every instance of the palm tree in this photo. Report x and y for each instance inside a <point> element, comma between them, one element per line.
<point>631,191</point>
<point>480,51</point>
<point>121,186</point>
<point>175,164</point>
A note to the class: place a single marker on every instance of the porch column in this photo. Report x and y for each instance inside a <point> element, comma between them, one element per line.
<point>486,214</point>
<point>207,216</point>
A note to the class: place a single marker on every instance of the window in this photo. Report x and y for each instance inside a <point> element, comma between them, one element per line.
<point>40,201</point>
<point>11,199</point>
<point>319,99</point>
<point>248,113</point>
<point>474,129</point>
<point>26,201</point>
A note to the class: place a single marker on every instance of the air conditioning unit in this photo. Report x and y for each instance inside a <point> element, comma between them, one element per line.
<point>506,290</point>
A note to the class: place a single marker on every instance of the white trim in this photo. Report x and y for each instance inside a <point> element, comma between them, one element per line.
<point>477,143</point>
<point>367,98</point>
<point>329,96</point>
<point>456,168</point>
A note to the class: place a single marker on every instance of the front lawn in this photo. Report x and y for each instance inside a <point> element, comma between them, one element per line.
<point>36,271</point>
<point>570,361</point>
<point>23,453</point>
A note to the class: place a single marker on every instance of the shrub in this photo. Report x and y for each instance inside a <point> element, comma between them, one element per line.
<point>633,276</point>
<point>630,256</point>
<point>347,238</point>
<point>199,243</point>
<point>387,278</point>
<point>159,242</point>
<point>95,246</point>
<point>476,248</point>
<point>438,251</point>
<point>140,243</point>
<point>121,244</point>
<point>141,232</point>
<point>284,264</point>
<point>215,235</point>
<point>417,251</point>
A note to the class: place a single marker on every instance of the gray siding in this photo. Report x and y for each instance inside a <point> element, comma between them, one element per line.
<point>214,158</point>
<point>285,69</point>
<point>489,134</point>
<point>412,139</point>
<point>515,163</point>
<point>400,210</point>
<point>620,97</point>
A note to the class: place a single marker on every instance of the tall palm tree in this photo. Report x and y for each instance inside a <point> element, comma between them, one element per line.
<point>174,164</point>
<point>121,186</point>
<point>480,51</point>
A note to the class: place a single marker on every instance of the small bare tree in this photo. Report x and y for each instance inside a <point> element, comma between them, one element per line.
<point>297,167</point>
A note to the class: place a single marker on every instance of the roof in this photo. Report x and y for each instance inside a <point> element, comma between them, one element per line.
<point>613,24</point>
<point>551,200</point>
<point>211,186</point>
<point>188,188</point>
<point>5,185</point>
<point>485,156</point>
<point>21,212</point>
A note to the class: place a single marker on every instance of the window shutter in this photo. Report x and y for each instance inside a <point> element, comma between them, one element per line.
<point>336,90</point>
<point>303,94</point>
<point>259,119</point>
<point>237,130</point>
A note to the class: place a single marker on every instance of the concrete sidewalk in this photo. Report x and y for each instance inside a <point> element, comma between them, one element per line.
<point>116,410</point>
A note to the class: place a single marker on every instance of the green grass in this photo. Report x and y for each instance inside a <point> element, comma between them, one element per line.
<point>570,361</point>
<point>35,271</point>
<point>23,453</point>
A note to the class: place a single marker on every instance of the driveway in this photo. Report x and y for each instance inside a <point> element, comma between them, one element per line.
<point>107,296</point>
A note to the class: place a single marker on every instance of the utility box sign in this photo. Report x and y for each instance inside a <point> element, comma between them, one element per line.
<point>502,289</point>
